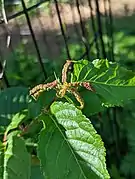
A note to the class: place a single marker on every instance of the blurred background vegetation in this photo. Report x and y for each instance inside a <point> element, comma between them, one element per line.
<point>23,67</point>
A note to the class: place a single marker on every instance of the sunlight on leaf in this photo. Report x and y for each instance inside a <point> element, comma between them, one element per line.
<point>79,148</point>
<point>113,84</point>
<point>16,120</point>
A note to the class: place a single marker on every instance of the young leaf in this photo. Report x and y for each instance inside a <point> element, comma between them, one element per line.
<point>16,160</point>
<point>16,120</point>
<point>80,134</point>
<point>112,83</point>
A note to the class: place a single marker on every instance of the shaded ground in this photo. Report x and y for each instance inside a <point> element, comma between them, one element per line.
<point>47,29</point>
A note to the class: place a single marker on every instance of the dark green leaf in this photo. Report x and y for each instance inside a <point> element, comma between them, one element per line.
<point>12,100</point>
<point>92,103</point>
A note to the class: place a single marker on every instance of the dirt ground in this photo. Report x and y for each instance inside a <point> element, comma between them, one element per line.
<point>47,29</point>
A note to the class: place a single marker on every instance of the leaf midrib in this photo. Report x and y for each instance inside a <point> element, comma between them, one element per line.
<point>113,85</point>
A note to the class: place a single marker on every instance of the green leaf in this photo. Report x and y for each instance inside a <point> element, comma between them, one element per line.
<point>46,98</point>
<point>33,128</point>
<point>34,108</point>
<point>127,164</point>
<point>16,160</point>
<point>12,100</point>
<point>92,103</point>
<point>115,173</point>
<point>79,150</point>
<point>16,120</point>
<point>113,84</point>
<point>55,153</point>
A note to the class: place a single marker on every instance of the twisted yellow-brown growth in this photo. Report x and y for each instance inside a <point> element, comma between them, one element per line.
<point>62,90</point>
<point>35,92</point>
<point>64,71</point>
<point>78,97</point>
<point>63,87</point>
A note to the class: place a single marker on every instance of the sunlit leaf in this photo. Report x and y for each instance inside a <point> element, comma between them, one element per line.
<point>113,84</point>
<point>75,151</point>
<point>82,137</point>
<point>16,120</point>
